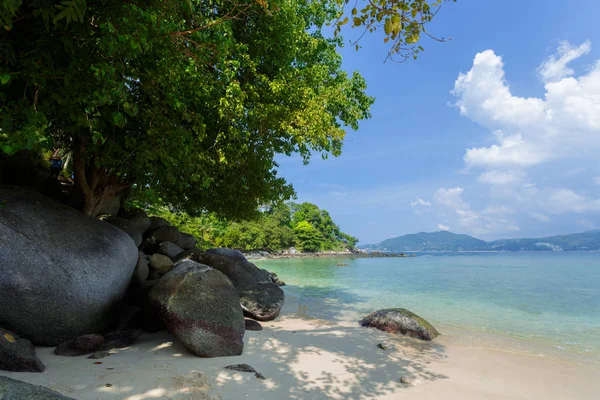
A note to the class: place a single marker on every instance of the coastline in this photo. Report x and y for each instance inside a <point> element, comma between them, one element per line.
<point>263,255</point>
<point>309,358</point>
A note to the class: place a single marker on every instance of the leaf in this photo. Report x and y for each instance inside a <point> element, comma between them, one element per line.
<point>344,22</point>
<point>4,79</point>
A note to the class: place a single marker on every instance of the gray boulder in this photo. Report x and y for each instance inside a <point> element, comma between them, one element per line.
<point>400,321</point>
<point>186,241</point>
<point>160,264</point>
<point>84,344</point>
<point>62,273</point>
<point>157,222</point>
<point>126,227</point>
<point>170,249</point>
<point>17,354</point>
<point>260,297</point>
<point>163,234</point>
<point>137,218</point>
<point>200,306</point>
<point>11,389</point>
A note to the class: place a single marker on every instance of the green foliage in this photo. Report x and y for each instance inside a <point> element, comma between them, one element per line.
<point>189,100</point>
<point>404,22</point>
<point>275,229</point>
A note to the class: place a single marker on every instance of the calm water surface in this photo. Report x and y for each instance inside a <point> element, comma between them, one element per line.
<point>539,302</point>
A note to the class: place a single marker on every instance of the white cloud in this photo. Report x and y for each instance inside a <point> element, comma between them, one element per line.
<point>556,66</point>
<point>420,202</point>
<point>539,216</point>
<point>565,122</point>
<point>443,227</point>
<point>496,177</point>
<point>562,201</point>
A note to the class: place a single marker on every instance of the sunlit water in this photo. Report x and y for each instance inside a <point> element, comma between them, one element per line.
<point>539,303</point>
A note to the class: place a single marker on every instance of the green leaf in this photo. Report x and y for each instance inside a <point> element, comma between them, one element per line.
<point>4,79</point>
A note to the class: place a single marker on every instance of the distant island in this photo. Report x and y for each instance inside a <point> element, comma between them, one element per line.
<point>448,241</point>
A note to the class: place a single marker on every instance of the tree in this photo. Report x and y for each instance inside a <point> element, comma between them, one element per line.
<point>188,99</point>
<point>308,238</point>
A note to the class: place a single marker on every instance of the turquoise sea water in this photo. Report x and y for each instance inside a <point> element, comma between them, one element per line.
<point>540,303</point>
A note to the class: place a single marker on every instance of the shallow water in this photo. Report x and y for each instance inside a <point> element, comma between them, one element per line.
<point>539,303</point>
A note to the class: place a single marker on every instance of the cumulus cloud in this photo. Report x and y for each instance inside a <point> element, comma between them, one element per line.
<point>562,201</point>
<point>419,202</point>
<point>529,131</point>
<point>556,66</point>
<point>443,227</point>
<point>496,177</point>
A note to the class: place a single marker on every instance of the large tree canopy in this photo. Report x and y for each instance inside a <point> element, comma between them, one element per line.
<point>190,100</point>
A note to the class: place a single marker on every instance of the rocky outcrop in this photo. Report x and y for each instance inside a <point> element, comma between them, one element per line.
<point>11,389</point>
<point>126,227</point>
<point>252,325</point>
<point>157,222</point>
<point>137,219</point>
<point>160,264</point>
<point>400,321</point>
<point>163,234</point>
<point>61,272</point>
<point>17,354</point>
<point>261,299</point>
<point>201,307</point>
<point>186,241</point>
<point>84,344</point>
<point>141,272</point>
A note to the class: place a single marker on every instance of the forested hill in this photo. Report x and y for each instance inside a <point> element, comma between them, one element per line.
<point>448,241</point>
<point>303,226</point>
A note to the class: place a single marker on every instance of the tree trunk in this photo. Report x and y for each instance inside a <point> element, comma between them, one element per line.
<point>97,185</point>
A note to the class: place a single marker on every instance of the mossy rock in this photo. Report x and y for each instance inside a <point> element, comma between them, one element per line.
<point>400,321</point>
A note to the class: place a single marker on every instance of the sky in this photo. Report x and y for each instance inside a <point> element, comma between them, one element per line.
<point>495,133</point>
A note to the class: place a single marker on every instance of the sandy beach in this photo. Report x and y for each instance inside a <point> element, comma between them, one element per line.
<point>316,359</point>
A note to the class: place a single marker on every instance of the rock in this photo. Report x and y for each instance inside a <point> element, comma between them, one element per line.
<point>11,389</point>
<point>141,272</point>
<point>381,346</point>
<point>120,339</point>
<point>160,263</point>
<point>341,264</point>
<point>62,273</point>
<point>98,355</point>
<point>261,298</point>
<point>124,225</point>
<point>279,282</point>
<point>201,307</point>
<point>137,218</point>
<point>17,354</point>
<point>252,325</point>
<point>157,222</point>
<point>400,320</point>
<point>170,249</point>
<point>186,241</point>
<point>163,234</point>
<point>407,380</point>
<point>245,368</point>
<point>84,344</point>
<point>111,207</point>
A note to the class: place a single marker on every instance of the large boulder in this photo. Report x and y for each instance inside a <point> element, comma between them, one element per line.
<point>170,249</point>
<point>17,354</point>
<point>11,389</point>
<point>157,222</point>
<point>201,307</point>
<point>402,321</point>
<point>163,234</point>
<point>126,227</point>
<point>160,264</point>
<point>62,273</point>
<point>186,241</point>
<point>261,299</point>
<point>137,218</point>
<point>84,344</point>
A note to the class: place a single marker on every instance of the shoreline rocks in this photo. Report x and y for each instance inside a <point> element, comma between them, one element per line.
<point>62,273</point>
<point>11,389</point>
<point>400,321</point>
<point>201,307</point>
<point>18,354</point>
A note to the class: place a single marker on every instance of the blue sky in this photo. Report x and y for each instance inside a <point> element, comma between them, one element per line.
<point>495,133</point>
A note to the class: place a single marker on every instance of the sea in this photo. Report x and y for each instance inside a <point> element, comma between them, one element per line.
<point>545,304</point>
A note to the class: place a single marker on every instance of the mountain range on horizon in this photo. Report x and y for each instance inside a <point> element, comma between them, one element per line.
<point>448,241</point>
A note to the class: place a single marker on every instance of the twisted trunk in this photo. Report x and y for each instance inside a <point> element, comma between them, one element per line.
<point>97,185</point>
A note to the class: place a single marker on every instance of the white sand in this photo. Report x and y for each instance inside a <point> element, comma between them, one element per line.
<point>312,359</point>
